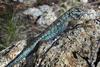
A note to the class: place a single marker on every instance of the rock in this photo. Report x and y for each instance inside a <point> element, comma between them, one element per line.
<point>84,1</point>
<point>35,12</point>
<point>91,14</point>
<point>98,65</point>
<point>46,13</point>
<point>45,8</point>
<point>48,17</point>
<point>13,53</point>
<point>27,2</point>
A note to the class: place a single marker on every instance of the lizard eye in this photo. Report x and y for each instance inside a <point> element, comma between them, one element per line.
<point>76,13</point>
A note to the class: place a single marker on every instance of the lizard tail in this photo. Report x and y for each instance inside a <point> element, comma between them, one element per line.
<point>25,52</point>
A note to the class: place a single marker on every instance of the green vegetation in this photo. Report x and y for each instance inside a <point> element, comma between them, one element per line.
<point>7,30</point>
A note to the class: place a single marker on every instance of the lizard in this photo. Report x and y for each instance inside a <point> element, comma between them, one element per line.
<point>52,31</point>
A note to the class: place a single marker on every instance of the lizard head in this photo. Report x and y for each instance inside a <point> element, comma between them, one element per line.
<point>76,13</point>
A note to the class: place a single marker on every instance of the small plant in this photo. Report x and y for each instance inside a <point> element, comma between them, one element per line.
<point>7,30</point>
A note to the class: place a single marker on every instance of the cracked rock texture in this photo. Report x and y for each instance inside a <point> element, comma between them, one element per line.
<point>79,47</point>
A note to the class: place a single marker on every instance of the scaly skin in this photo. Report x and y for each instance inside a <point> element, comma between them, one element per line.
<point>55,29</point>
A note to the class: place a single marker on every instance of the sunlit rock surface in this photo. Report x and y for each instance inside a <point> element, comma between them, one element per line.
<point>79,47</point>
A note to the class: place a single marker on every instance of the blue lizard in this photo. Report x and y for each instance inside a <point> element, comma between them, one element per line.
<point>55,29</point>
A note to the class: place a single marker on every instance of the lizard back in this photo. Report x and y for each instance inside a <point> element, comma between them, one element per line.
<point>55,29</point>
